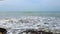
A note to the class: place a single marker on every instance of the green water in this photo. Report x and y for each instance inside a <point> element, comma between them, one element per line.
<point>56,14</point>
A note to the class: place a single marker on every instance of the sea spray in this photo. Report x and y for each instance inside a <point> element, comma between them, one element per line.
<point>18,25</point>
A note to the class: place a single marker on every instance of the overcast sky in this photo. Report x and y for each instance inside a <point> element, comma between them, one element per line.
<point>30,5</point>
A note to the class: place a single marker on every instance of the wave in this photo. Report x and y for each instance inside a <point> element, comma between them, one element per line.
<point>22,23</point>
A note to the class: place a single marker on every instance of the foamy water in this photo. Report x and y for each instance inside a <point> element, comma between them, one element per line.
<point>17,25</point>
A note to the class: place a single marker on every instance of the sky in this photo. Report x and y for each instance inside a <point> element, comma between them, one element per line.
<point>30,5</point>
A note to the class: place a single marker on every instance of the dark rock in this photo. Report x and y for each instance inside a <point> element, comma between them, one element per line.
<point>32,31</point>
<point>3,31</point>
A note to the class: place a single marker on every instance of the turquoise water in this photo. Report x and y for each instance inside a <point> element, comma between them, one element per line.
<point>55,14</point>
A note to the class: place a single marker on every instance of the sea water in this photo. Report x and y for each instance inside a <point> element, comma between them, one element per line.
<point>16,23</point>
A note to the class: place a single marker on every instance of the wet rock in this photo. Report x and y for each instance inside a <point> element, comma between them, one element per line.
<point>3,31</point>
<point>29,31</point>
<point>48,32</point>
<point>32,31</point>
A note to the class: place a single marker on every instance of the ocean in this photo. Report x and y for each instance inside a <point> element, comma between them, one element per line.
<point>17,22</point>
<point>31,13</point>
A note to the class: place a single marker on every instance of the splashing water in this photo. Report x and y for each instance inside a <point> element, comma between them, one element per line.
<point>17,25</point>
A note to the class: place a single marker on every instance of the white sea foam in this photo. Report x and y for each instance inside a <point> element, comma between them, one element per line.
<point>17,25</point>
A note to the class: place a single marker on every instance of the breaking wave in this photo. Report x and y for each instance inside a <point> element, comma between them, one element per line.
<point>17,25</point>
